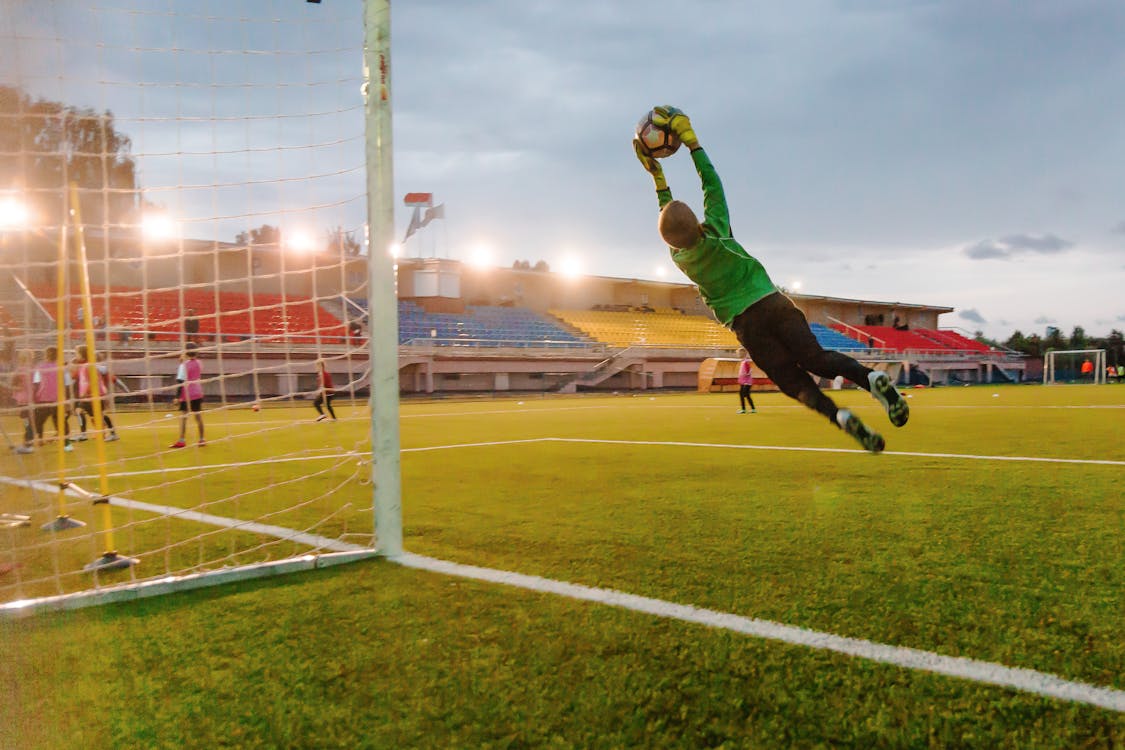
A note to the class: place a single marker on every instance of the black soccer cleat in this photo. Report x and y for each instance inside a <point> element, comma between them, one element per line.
<point>849,423</point>
<point>884,391</point>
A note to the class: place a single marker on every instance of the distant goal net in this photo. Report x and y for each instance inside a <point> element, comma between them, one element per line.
<point>1075,366</point>
<point>184,293</point>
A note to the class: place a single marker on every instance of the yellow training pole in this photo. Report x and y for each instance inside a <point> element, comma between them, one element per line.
<point>110,559</point>
<point>62,521</point>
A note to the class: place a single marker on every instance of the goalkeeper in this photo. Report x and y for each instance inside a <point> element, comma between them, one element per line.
<point>739,291</point>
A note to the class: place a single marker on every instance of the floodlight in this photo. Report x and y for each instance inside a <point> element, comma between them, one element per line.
<point>571,267</point>
<point>159,226</point>
<point>299,241</point>
<point>14,213</point>
<point>480,257</point>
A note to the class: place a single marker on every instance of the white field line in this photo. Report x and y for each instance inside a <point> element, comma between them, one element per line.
<point>738,446</point>
<point>279,532</point>
<point>669,443</point>
<point>1025,680</point>
<point>235,465</point>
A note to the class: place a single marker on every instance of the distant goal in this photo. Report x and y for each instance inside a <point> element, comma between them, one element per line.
<point>1074,366</point>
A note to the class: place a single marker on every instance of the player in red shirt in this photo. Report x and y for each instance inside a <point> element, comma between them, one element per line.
<point>324,392</point>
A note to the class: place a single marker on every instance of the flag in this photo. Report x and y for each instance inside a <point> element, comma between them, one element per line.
<point>418,199</point>
<point>436,212</point>
<point>415,224</point>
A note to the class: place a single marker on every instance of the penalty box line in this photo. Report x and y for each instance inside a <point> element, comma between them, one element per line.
<point>670,443</point>
<point>797,448</point>
<point>973,670</point>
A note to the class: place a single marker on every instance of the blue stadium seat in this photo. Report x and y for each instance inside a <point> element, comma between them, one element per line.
<point>480,325</point>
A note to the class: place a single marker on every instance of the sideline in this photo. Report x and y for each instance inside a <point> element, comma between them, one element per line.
<point>1024,680</point>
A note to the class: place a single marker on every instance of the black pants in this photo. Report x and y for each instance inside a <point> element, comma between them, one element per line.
<point>321,398</point>
<point>86,409</point>
<point>744,396</point>
<point>27,414</point>
<point>43,412</point>
<point>779,340</point>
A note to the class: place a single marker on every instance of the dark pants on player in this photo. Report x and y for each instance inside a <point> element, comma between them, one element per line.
<point>86,409</point>
<point>43,412</point>
<point>744,396</point>
<point>779,340</point>
<point>321,398</point>
<point>27,414</point>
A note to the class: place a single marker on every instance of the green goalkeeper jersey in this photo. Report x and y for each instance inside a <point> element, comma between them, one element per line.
<point>729,278</point>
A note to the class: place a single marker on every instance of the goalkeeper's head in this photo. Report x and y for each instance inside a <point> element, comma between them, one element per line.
<point>678,225</point>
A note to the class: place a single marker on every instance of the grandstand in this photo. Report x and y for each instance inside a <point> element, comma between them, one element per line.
<point>637,327</point>
<point>475,330</point>
<point>482,325</point>
<point>128,313</point>
<point>832,339</point>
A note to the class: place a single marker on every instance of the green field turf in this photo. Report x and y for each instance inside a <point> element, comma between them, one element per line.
<point>939,544</point>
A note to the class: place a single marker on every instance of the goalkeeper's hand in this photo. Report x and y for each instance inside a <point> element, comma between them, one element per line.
<point>651,165</point>
<point>675,120</point>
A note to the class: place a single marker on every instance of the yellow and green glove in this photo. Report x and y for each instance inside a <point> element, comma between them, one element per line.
<point>651,165</point>
<point>675,120</point>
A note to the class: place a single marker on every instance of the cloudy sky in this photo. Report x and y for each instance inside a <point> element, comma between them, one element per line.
<point>967,154</point>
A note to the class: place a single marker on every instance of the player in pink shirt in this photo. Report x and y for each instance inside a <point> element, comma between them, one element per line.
<point>45,381</point>
<point>745,381</point>
<point>190,393</point>
<point>85,393</point>
<point>23,392</point>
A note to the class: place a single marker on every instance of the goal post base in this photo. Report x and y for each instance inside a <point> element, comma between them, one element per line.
<point>62,523</point>
<point>111,561</point>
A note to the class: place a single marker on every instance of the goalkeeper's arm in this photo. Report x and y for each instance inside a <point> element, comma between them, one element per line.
<point>652,166</point>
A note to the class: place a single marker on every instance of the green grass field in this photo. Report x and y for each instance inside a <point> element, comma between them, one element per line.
<point>959,540</point>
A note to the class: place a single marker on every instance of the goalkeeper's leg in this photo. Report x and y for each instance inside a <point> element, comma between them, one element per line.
<point>793,329</point>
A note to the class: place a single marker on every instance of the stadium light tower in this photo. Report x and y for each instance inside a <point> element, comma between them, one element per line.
<point>14,214</point>
<point>480,257</point>
<point>299,241</point>
<point>159,226</point>
<point>571,267</point>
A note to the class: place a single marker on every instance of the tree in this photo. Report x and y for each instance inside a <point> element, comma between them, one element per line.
<point>541,266</point>
<point>1114,345</point>
<point>343,243</point>
<point>1017,342</point>
<point>1053,339</point>
<point>48,144</point>
<point>264,235</point>
<point>1078,338</point>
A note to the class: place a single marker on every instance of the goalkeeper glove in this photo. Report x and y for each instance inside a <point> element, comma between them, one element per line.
<point>675,120</point>
<point>651,165</point>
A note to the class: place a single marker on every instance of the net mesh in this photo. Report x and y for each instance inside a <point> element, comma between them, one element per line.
<point>200,166</point>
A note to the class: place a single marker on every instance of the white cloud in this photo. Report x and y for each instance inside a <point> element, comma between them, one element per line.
<point>873,149</point>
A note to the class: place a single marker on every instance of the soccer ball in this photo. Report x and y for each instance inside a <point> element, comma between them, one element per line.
<point>658,141</point>
<point>256,407</point>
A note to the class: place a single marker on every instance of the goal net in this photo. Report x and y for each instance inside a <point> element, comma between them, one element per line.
<point>184,293</point>
<point>1074,366</point>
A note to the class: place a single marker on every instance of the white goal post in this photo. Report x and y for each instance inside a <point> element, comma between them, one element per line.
<point>1066,366</point>
<point>198,313</point>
